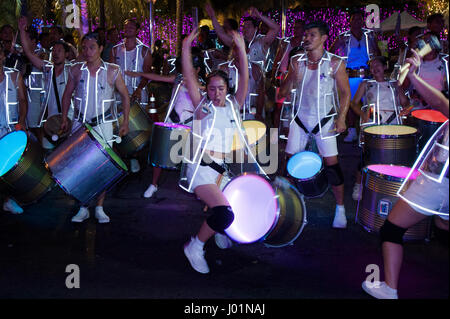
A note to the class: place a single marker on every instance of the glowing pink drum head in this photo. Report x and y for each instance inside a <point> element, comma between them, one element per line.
<point>276,215</point>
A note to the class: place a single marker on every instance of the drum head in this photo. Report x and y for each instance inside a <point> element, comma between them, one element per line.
<point>396,171</point>
<point>254,130</point>
<point>429,116</point>
<point>304,165</point>
<point>172,125</point>
<point>12,147</point>
<point>254,205</point>
<point>53,124</point>
<point>116,158</point>
<point>391,130</point>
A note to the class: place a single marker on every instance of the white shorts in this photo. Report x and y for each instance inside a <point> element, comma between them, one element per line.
<point>429,194</point>
<point>298,138</point>
<point>205,175</point>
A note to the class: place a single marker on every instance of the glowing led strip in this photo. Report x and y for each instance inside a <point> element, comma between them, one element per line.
<point>8,119</point>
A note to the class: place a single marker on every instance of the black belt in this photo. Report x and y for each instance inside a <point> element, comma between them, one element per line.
<point>315,130</point>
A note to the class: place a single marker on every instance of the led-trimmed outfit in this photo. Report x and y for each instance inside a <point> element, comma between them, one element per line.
<point>9,102</point>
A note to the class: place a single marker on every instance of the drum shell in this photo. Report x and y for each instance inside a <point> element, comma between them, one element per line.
<point>291,218</point>
<point>389,149</point>
<point>28,180</point>
<point>82,167</point>
<point>379,189</point>
<point>140,130</point>
<point>313,187</point>
<point>426,130</point>
<point>161,146</point>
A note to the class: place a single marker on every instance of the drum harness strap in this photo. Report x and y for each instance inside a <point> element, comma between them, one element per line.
<point>315,130</point>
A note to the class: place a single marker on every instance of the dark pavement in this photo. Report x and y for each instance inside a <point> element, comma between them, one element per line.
<point>139,253</point>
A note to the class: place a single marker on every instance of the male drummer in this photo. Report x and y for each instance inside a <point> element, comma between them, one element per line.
<point>132,55</point>
<point>310,88</point>
<point>13,111</point>
<point>94,83</point>
<point>55,72</point>
<point>358,45</point>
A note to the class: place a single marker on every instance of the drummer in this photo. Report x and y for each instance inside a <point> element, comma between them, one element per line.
<point>305,71</point>
<point>13,111</point>
<point>95,105</point>
<point>180,109</point>
<point>383,101</point>
<point>55,71</point>
<point>216,119</point>
<point>133,55</point>
<point>423,197</point>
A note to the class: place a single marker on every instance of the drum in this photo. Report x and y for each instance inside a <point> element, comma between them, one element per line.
<point>84,165</point>
<point>379,195</point>
<point>308,171</point>
<point>140,130</point>
<point>255,132</point>
<point>164,137</point>
<point>22,169</point>
<point>427,122</point>
<point>52,129</point>
<point>389,144</point>
<point>273,213</point>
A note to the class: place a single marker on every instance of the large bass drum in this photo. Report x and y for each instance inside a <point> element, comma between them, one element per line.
<point>273,213</point>
<point>84,165</point>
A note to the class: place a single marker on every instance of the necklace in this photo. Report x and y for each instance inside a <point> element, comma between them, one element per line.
<point>315,62</point>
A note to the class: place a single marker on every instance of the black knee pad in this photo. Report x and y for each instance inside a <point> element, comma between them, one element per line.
<point>221,217</point>
<point>334,174</point>
<point>392,233</point>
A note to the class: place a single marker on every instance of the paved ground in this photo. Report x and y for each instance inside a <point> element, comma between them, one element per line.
<point>139,254</point>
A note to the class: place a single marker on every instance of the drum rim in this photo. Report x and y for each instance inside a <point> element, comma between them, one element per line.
<point>87,128</point>
<point>176,127</point>
<point>383,136</point>
<point>57,115</point>
<point>25,150</point>
<point>304,219</point>
<point>385,176</point>
<point>322,167</point>
<point>426,121</point>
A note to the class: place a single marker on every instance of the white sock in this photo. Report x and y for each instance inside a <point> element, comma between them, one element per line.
<point>198,242</point>
<point>340,207</point>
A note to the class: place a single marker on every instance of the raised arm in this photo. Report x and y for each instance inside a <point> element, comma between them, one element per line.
<point>188,69</point>
<point>241,92</point>
<point>226,39</point>
<point>152,76</point>
<point>26,44</point>
<point>432,96</point>
<point>274,27</point>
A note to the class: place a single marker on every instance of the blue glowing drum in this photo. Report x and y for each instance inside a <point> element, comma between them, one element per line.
<point>308,171</point>
<point>271,212</point>
<point>22,169</point>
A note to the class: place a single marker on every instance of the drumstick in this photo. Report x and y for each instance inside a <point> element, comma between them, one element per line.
<point>405,67</point>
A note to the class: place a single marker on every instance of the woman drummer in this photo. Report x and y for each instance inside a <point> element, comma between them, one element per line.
<point>180,106</point>
<point>216,119</point>
<point>382,99</point>
<point>425,195</point>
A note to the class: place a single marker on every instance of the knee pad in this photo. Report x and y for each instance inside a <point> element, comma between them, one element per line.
<point>392,233</point>
<point>220,219</point>
<point>334,174</point>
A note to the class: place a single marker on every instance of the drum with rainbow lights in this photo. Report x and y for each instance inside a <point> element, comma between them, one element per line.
<point>271,212</point>
<point>380,185</point>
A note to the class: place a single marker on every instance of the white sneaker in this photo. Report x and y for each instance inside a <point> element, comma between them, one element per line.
<point>357,192</point>
<point>222,241</point>
<point>340,220</point>
<point>379,290</point>
<point>196,257</point>
<point>11,206</point>
<point>100,215</point>
<point>150,191</point>
<point>46,144</point>
<point>351,136</point>
<point>135,167</point>
<point>82,215</point>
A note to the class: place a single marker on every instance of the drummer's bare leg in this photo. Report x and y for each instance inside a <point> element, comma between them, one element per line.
<point>154,185</point>
<point>337,184</point>
<point>212,196</point>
